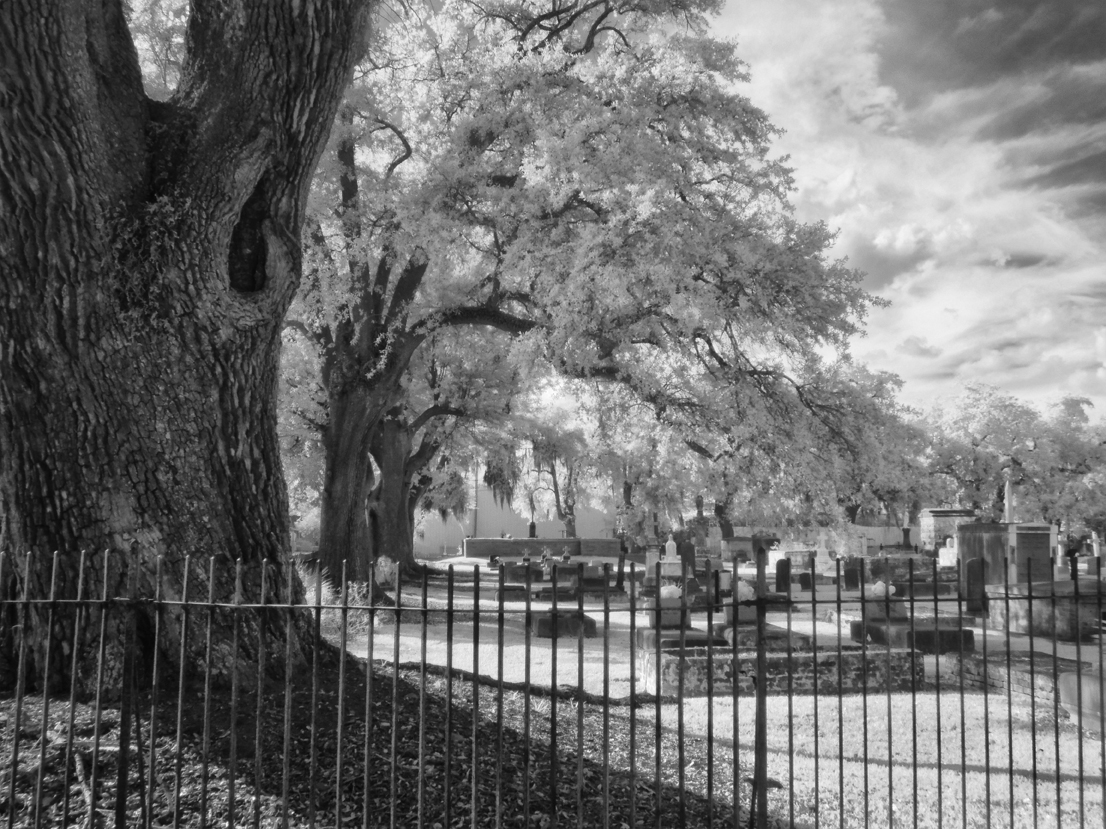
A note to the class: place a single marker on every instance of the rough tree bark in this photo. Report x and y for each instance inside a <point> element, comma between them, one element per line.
<point>363,382</point>
<point>148,252</point>
<point>392,531</point>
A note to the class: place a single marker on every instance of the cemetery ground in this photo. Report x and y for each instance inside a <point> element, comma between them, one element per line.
<point>943,754</point>
<point>940,756</point>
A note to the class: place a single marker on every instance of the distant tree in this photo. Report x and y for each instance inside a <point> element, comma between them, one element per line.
<point>1055,463</point>
<point>149,251</point>
<point>982,439</point>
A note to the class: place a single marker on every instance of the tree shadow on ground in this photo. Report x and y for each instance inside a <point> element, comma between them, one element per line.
<point>436,749</point>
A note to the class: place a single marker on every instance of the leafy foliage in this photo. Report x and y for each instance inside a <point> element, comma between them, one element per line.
<point>1056,462</point>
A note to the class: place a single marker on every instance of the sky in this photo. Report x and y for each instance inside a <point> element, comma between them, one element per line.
<point>959,149</point>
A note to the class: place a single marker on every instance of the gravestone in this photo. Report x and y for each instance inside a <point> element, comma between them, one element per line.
<point>852,578</point>
<point>937,636</point>
<point>1081,696</point>
<point>783,576</point>
<point>662,612</point>
<point>975,574</point>
<point>567,623</point>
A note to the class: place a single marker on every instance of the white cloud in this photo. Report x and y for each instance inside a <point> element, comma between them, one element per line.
<point>991,280</point>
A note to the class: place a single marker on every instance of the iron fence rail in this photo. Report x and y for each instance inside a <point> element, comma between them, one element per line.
<point>482,703</point>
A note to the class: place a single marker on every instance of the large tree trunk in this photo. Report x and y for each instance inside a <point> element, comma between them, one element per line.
<point>393,533</point>
<point>148,254</point>
<point>345,541</point>
<point>365,360</point>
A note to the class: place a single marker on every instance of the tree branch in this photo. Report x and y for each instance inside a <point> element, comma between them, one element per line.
<point>477,315</point>
<point>440,410</point>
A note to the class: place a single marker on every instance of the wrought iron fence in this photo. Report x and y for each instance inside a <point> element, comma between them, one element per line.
<point>564,695</point>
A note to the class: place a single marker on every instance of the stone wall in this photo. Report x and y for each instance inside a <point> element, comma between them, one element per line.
<point>876,670</point>
<point>1056,611</point>
<point>1025,676</point>
<point>516,548</point>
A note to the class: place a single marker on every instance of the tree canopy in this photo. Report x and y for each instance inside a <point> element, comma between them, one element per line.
<point>593,184</point>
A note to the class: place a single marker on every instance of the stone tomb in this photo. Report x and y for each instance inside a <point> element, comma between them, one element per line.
<point>1055,610</point>
<point>1081,696</point>
<point>564,623</point>
<point>662,612</point>
<point>706,662</point>
<point>776,639</point>
<point>701,670</point>
<point>885,622</point>
<point>667,640</point>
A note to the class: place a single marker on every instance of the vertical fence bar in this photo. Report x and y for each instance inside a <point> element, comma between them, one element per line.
<point>339,726</point>
<point>182,678</point>
<point>1032,689</point>
<point>553,764</point>
<point>155,693</point>
<point>734,693</point>
<point>206,755</point>
<point>44,724</point>
<point>1078,690</point>
<point>633,693</point>
<point>369,731</point>
<point>681,773</point>
<point>527,633</point>
<point>74,663</point>
<point>864,691</point>
<point>607,694</point>
<point>580,695</point>
<point>887,682</point>
<point>1101,678</point>
<point>289,630</point>
<point>126,705</point>
<point>963,716</point>
<point>232,761</point>
<point>937,699</point>
<point>15,734</point>
<point>367,749</point>
<point>93,780</point>
<point>760,737</point>
<point>447,789</point>
<point>422,697</point>
<point>986,711</point>
<point>791,694</point>
<point>152,779</point>
<point>394,770</point>
<point>499,704</point>
<point>840,708</point>
<point>814,690</point>
<point>20,685</point>
<point>475,797</point>
<point>712,597</point>
<point>1102,675</point>
<point>1009,681</point>
<point>1055,624</point>
<point>914,686</point>
<point>258,725</point>
<point>659,614</point>
<point>313,748</point>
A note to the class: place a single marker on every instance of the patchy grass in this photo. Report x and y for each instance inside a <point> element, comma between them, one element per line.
<point>904,763</point>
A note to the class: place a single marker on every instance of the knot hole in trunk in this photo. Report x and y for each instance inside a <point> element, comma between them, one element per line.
<point>246,262</point>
